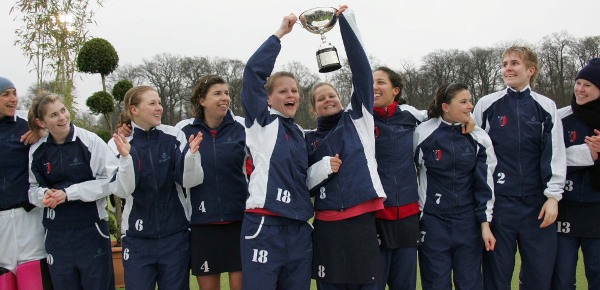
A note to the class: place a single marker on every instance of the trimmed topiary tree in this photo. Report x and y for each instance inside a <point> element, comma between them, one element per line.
<point>120,89</point>
<point>118,92</point>
<point>102,103</point>
<point>97,56</point>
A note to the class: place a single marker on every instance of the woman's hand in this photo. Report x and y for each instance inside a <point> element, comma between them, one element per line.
<point>549,212</point>
<point>54,197</point>
<point>30,137</point>
<point>124,129</point>
<point>335,162</point>
<point>122,143</point>
<point>194,142</point>
<point>286,25</point>
<point>48,199</point>
<point>341,10</point>
<point>488,238</point>
<point>594,143</point>
<point>467,128</point>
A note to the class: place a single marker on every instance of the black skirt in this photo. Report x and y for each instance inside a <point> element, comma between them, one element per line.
<point>215,248</point>
<point>400,233</point>
<point>578,219</point>
<point>346,251</point>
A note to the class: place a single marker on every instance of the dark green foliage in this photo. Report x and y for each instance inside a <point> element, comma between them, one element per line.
<point>100,103</point>
<point>112,224</point>
<point>97,56</point>
<point>105,135</point>
<point>120,89</point>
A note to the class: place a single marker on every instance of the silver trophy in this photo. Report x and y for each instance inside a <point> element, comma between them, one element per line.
<point>320,20</point>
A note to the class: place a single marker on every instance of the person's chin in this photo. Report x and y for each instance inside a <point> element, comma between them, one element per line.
<point>291,113</point>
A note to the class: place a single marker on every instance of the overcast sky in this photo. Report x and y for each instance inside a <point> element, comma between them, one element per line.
<point>393,31</point>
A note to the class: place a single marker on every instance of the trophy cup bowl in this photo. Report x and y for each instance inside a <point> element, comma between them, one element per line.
<point>318,21</point>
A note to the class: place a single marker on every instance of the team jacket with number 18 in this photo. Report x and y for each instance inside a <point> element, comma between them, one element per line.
<point>276,143</point>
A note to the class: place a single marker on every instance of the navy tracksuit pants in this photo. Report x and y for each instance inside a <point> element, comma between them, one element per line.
<point>451,249</point>
<point>276,253</point>
<point>399,268</point>
<point>80,258</point>
<point>566,262</point>
<point>515,223</point>
<point>163,261</point>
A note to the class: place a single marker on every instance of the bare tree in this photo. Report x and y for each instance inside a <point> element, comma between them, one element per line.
<point>556,67</point>
<point>465,68</point>
<point>164,73</point>
<point>232,70</point>
<point>417,86</point>
<point>192,68</point>
<point>486,70</point>
<point>135,74</point>
<point>585,49</point>
<point>441,67</point>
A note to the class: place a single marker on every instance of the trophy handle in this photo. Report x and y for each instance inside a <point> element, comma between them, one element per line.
<point>319,20</point>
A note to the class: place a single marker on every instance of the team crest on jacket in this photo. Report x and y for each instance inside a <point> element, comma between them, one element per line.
<point>437,154</point>
<point>315,144</point>
<point>76,162</point>
<point>13,138</point>
<point>467,151</point>
<point>502,120</point>
<point>377,131</point>
<point>48,166</point>
<point>572,136</point>
<point>164,158</point>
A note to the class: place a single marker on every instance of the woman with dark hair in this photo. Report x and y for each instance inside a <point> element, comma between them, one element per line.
<point>22,253</point>
<point>398,222</point>
<point>218,203</point>
<point>579,210</point>
<point>455,193</point>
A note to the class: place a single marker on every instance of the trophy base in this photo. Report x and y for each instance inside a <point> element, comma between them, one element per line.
<point>328,60</point>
